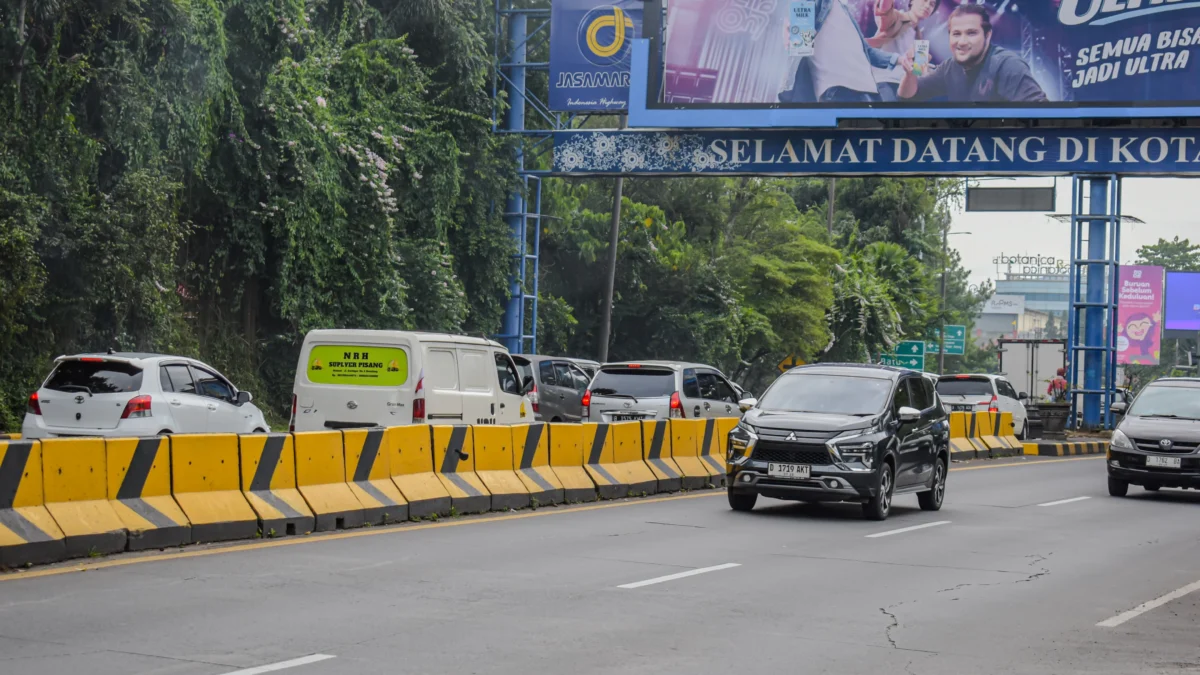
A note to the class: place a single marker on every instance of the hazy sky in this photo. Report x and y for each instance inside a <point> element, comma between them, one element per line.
<point>1168,205</point>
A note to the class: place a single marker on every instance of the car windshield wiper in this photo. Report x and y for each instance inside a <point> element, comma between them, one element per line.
<point>603,392</point>
<point>75,387</point>
<point>1169,416</point>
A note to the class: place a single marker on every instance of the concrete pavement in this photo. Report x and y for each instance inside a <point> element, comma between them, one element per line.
<point>1014,582</point>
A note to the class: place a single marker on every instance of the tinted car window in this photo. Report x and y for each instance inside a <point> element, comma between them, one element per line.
<point>835,394</point>
<point>903,396</point>
<point>713,388</point>
<point>507,373</point>
<point>562,375</point>
<point>930,395</point>
<point>546,373</point>
<point>103,377</point>
<point>636,382</point>
<point>1006,389</point>
<point>979,386</point>
<point>211,385</point>
<point>524,368</point>
<point>921,400</point>
<point>691,386</point>
<point>181,379</point>
<point>581,379</point>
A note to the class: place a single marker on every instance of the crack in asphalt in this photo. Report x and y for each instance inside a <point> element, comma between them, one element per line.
<point>895,624</point>
<point>1028,577</point>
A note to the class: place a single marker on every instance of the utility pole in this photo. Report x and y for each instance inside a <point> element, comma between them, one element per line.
<point>614,235</point>
<point>942,307</point>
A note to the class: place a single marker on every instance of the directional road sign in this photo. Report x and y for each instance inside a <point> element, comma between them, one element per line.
<point>911,348</point>
<point>956,341</point>
<point>910,362</point>
<point>790,362</point>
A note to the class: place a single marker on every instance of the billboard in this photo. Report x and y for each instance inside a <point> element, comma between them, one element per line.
<point>1004,304</point>
<point>1139,314</point>
<point>931,54</point>
<point>590,42</point>
<point>1183,301</point>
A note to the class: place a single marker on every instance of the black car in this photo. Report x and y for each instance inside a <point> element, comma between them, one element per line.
<point>1157,443</point>
<point>842,432</point>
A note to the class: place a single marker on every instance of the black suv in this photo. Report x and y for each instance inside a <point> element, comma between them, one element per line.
<point>842,432</point>
<point>1157,445</point>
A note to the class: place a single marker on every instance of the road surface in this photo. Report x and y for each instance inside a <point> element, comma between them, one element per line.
<point>1012,576</point>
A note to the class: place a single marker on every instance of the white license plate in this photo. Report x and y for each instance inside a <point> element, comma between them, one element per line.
<point>962,408</point>
<point>788,470</point>
<point>624,418</point>
<point>1163,462</point>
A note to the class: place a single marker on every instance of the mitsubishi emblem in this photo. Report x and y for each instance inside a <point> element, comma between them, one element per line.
<point>1165,444</point>
<point>791,436</point>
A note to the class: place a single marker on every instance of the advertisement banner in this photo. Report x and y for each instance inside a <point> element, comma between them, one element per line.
<point>358,365</point>
<point>932,53</point>
<point>590,42</point>
<point>1139,314</point>
<point>1183,301</point>
<point>1004,304</point>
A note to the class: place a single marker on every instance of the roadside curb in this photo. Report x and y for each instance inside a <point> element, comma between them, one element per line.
<point>996,453</point>
<point>1066,448</point>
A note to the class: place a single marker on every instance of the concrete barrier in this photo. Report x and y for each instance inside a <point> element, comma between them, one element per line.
<point>269,483</point>
<point>1008,432</point>
<point>629,463</point>
<point>206,484</point>
<point>712,450</point>
<point>985,426</point>
<point>569,461</point>
<point>531,461</point>
<point>321,479</point>
<point>686,436</point>
<point>610,481</point>
<point>139,489</point>
<point>1066,449</point>
<point>28,533</point>
<point>368,468</point>
<point>656,448</point>
<point>494,466</point>
<point>454,457</point>
<point>962,446</point>
<point>74,471</point>
<point>410,458</point>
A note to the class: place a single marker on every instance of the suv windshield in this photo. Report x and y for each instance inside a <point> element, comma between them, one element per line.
<point>636,382</point>
<point>953,386</point>
<point>95,377</point>
<point>1167,401</point>
<point>833,394</point>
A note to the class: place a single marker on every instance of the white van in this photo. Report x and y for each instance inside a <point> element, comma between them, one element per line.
<point>362,378</point>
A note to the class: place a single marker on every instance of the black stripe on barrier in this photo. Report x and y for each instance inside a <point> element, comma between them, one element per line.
<point>455,454</point>
<point>996,426</point>
<point>139,468</point>
<point>710,426</point>
<point>366,460</point>
<point>12,468</point>
<point>660,432</point>
<point>971,431</point>
<point>532,440</point>
<point>264,473</point>
<point>598,443</point>
<point>537,478</point>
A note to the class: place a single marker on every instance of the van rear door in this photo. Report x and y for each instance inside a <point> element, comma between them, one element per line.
<point>443,398</point>
<point>478,382</point>
<point>359,384</point>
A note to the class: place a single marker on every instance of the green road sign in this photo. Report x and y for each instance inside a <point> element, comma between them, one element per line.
<point>956,341</point>
<point>911,348</point>
<point>910,362</point>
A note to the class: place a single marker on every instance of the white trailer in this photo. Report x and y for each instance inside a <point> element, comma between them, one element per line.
<point>1031,364</point>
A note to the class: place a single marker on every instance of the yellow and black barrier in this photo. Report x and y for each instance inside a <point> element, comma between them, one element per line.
<point>321,479</point>
<point>76,492</point>
<point>597,441</point>
<point>28,533</point>
<point>1066,448</point>
<point>686,436</point>
<point>629,460</point>
<point>531,461</point>
<point>986,427</point>
<point>269,483</point>
<point>410,458</point>
<point>454,457</point>
<point>712,448</point>
<point>656,445</point>
<point>567,460</point>
<point>139,490</point>
<point>206,484</point>
<point>369,475</point>
<point>494,466</point>
<point>1008,432</point>
<point>962,445</point>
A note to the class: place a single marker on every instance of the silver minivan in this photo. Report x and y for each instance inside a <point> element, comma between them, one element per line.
<point>559,386</point>
<point>649,390</point>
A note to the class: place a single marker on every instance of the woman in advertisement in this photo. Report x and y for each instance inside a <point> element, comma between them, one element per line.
<point>1138,339</point>
<point>897,32</point>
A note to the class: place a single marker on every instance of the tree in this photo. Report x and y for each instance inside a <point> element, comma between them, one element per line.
<point>1177,255</point>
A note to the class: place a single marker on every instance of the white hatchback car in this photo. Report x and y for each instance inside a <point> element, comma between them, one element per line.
<point>127,394</point>
<point>984,393</point>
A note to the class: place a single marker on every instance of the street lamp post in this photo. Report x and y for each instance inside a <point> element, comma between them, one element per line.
<point>942,331</point>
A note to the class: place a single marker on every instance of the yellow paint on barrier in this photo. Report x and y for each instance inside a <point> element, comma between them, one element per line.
<point>139,490</point>
<point>686,436</point>
<point>206,484</point>
<point>629,465</point>
<point>656,449</point>
<point>610,480</point>
<point>494,466</point>
<point>368,473</point>
<point>531,463</point>
<point>28,533</point>
<point>321,479</point>
<point>268,464</point>
<point>410,458</point>
<point>74,471</point>
<point>568,460</point>
<point>454,461</point>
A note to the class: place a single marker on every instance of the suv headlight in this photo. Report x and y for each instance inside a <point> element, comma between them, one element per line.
<point>858,448</point>
<point>1120,441</point>
<point>741,442</point>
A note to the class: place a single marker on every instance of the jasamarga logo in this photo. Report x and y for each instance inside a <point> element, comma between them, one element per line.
<point>1103,12</point>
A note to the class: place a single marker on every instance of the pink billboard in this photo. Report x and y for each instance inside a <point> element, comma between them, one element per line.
<point>1139,314</point>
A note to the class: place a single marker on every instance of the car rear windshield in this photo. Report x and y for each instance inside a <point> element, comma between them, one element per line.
<point>953,386</point>
<point>95,377</point>
<point>636,382</point>
<point>524,367</point>
<point>830,394</point>
<point>1168,401</point>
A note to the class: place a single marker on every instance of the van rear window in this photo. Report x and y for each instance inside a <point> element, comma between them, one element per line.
<point>358,365</point>
<point>637,382</point>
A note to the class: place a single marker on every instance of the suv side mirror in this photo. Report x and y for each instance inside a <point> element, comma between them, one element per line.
<point>1118,407</point>
<point>1023,396</point>
<point>527,385</point>
<point>244,397</point>
<point>908,414</point>
<point>746,396</point>
<point>748,401</point>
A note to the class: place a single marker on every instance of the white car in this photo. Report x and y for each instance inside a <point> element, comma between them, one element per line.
<point>984,393</point>
<point>125,394</point>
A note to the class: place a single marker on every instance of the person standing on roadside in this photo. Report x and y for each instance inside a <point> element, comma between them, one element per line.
<point>1057,391</point>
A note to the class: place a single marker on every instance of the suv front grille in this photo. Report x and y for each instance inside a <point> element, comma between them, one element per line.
<point>792,453</point>
<point>1178,448</point>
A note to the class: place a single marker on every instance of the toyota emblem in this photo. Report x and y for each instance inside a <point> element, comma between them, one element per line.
<point>628,404</point>
<point>79,399</point>
<point>353,405</point>
<point>1165,444</point>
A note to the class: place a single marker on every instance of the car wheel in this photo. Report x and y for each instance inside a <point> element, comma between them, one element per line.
<point>878,507</point>
<point>742,501</point>
<point>1024,430</point>
<point>931,500</point>
<point>259,430</point>
<point>1117,488</point>
<point>1151,488</point>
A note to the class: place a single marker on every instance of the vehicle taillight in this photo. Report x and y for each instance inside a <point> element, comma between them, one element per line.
<point>34,407</point>
<point>138,406</point>
<point>676,406</point>
<point>587,404</point>
<point>292,422</point>
<point>535,399</point>
<point>419,401</point>
<point>992,405</point>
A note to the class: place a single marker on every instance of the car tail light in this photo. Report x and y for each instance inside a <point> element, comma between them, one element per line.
<point>535,399</point>
<point>676,406</point>
<point>587,404</point>
<point>138,406</point>
<point>292,422</point>
<point>34,406</point>
<point>992,405</point>
<point>419,401</point>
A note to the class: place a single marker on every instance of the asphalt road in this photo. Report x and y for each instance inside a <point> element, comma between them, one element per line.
<point>1012,583</point>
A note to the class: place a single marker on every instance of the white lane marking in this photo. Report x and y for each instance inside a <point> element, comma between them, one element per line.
<point>1065,501</point>
<point>680,575</point>
<point>272,667</point>
<point>907,529</point>
<point>1147,606</point>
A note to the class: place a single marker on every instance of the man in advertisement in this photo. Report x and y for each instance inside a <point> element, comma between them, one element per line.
<point>897,32</point>
<point>840,67</point>
<point>980,71</point>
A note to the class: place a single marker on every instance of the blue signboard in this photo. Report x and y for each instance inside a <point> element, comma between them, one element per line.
<point>862,152</point>
<point>590,42</point>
